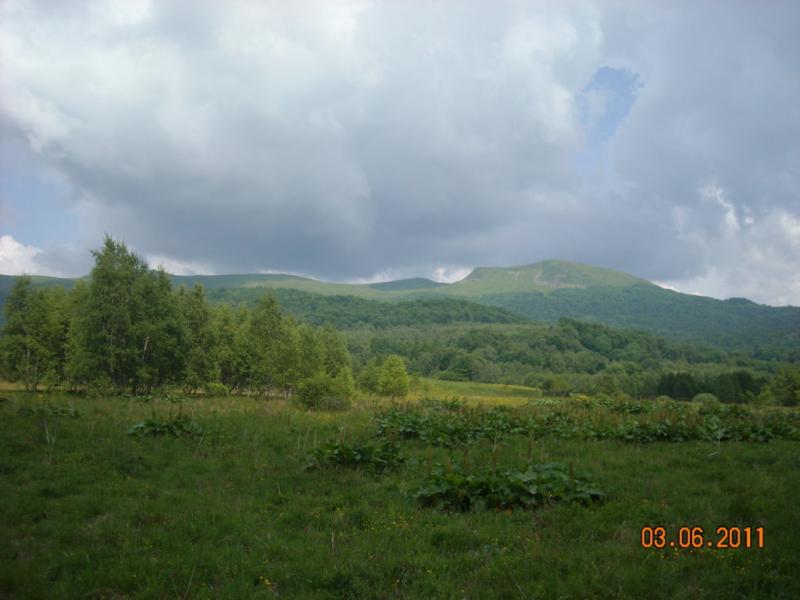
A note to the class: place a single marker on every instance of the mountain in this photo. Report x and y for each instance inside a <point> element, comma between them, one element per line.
<point>415,283</point>
<point>545,291</point>
<point>7,282</point>
<point>543,276</point>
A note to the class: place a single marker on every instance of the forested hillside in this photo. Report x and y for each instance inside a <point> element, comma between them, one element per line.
<point>571,356</point>
<point>542,292</point>
<point>761,331</point>
<point>351,311</point>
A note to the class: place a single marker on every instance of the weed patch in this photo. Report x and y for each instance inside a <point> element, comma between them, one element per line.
<point>539,485</point>
<point>180,426</point>
<point>48,411</point>
<point>447,425</point>
<point>376,457</point>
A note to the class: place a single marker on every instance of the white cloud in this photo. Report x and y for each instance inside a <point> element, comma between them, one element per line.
<point>178,267</point>
<point>450,274</point>
<point>353,140</point>
<point>16,258</point>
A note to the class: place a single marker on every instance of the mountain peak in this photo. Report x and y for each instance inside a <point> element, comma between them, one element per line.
<point>547,275</point>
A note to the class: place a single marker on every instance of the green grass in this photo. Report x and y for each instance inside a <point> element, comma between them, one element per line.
<point>494,393</point>
<point>230,512</point>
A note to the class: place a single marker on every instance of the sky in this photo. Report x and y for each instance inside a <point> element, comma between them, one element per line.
<point>366,141</point>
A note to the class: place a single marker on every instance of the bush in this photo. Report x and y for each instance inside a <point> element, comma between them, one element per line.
<point>323,392</point>
<point>706,400</point>
<point>664,398</point>
<point>100,386</point>
<point>217,389</point>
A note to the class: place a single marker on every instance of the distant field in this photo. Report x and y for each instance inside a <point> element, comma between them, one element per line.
<point>227,510</point>
<point>495,393</point>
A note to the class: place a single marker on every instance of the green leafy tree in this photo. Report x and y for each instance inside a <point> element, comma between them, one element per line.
<point>128,330</point>
<point>312,352</point>
<point>336,356</point>
<point>33,344</point>
<point>785,386</point>
<point>24,353</point>
<point>393,380</point>
<point>288,356</point>
<point>201,361</point>
<point>226,323</point>
<point>369,378</point>
<point>161,332</point>
<point>270,350</point>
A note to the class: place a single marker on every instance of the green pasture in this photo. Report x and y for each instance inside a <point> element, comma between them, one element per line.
<point>228,509</point>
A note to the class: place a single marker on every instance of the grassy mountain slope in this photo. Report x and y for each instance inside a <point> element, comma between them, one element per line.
<point>392,290</point>
<point>543,277</point>
<point>415,283</point>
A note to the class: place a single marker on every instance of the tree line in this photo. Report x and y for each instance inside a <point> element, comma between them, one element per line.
<point>126,329</point>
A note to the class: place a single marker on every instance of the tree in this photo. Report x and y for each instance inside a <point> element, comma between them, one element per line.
<point>201,361</point>
<point>785,386</point>
<point>369,379</point>
<point>393,380</point>
<point>261,344</point>
<point>128,331</point>
<point>34,339</point>
<point>336,356</point>
<point>312,352</point>
<point>22,348</point>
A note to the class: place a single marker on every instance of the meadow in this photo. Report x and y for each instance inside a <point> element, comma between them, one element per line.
<point>237,497</point>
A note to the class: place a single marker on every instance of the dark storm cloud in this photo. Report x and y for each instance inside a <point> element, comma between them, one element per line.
<point>349,140</point>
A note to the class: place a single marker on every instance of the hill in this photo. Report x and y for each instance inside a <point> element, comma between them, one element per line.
<point>347,312</point>
<point>545,291</point>
<point>7,283</point>
<point>544,276</point>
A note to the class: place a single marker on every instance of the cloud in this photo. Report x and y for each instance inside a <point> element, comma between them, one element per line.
<point>348,140</point>
<point>16,258</point>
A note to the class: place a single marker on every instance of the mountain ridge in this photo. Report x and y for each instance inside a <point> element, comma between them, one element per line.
<point>547,291</point>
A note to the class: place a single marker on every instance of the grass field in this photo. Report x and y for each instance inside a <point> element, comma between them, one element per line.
<point>89,511</point>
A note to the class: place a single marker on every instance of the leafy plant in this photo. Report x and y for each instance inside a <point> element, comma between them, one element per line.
<point>440,424</point>
<point>537,486</point>
<point>377,457</point>
<point>48,411</point>
<point>180,426</point>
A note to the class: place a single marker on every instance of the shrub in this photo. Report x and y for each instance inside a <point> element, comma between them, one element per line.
<point>706,400</point>
<point>664,398</point>
<point>216,389</point>
<point>323,392</point>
